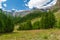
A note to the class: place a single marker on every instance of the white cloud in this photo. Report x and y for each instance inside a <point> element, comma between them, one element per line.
<point>13,9</point>
<point>1,3</point>
<point>25,0</point>
<point>4,0</point>
<point>26,5</point>
<point>5,5</point>
<point>39,3</point>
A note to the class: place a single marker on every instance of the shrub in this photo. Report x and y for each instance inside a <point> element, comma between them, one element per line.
<point>36,25</point>
<point>57,24</point>
<point>48,20</point>
<point>6,23</point>
<point>25,26</point>
<point>16,20</point>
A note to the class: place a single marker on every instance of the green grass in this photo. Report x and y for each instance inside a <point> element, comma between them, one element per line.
<point>49,34</point>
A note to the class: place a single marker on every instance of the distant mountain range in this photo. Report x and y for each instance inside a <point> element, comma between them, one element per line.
<point>18,13</point>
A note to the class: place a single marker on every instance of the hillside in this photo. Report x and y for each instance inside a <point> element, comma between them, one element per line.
<point>58,4</point>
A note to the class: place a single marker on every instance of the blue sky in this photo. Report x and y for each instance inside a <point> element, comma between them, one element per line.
<point>26,4</point>
<point>15,4</point>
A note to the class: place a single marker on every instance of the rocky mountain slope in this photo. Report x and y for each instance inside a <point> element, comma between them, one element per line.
<point>58,4</point>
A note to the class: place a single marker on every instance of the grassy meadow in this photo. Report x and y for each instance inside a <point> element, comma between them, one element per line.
<point>49,34</point>
<point>41,34</point>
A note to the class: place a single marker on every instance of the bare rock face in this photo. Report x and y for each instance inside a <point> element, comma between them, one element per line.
<point>56,6</point>
<point>58,3</point>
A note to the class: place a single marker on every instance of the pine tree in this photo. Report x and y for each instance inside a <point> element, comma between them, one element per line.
<point>48,20</point>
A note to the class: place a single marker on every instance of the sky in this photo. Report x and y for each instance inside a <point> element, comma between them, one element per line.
<point>15,4</point>
<point>25,4</point>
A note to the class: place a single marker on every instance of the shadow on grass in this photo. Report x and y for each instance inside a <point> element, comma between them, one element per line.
<point>8,33</point>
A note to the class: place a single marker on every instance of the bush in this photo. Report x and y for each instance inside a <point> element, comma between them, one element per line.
<point>16,20</point>
<point>48,20</point>
<point>57,24</point>
<point>6,23</point>
<point>25,26</point>
<point>36,25</point>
